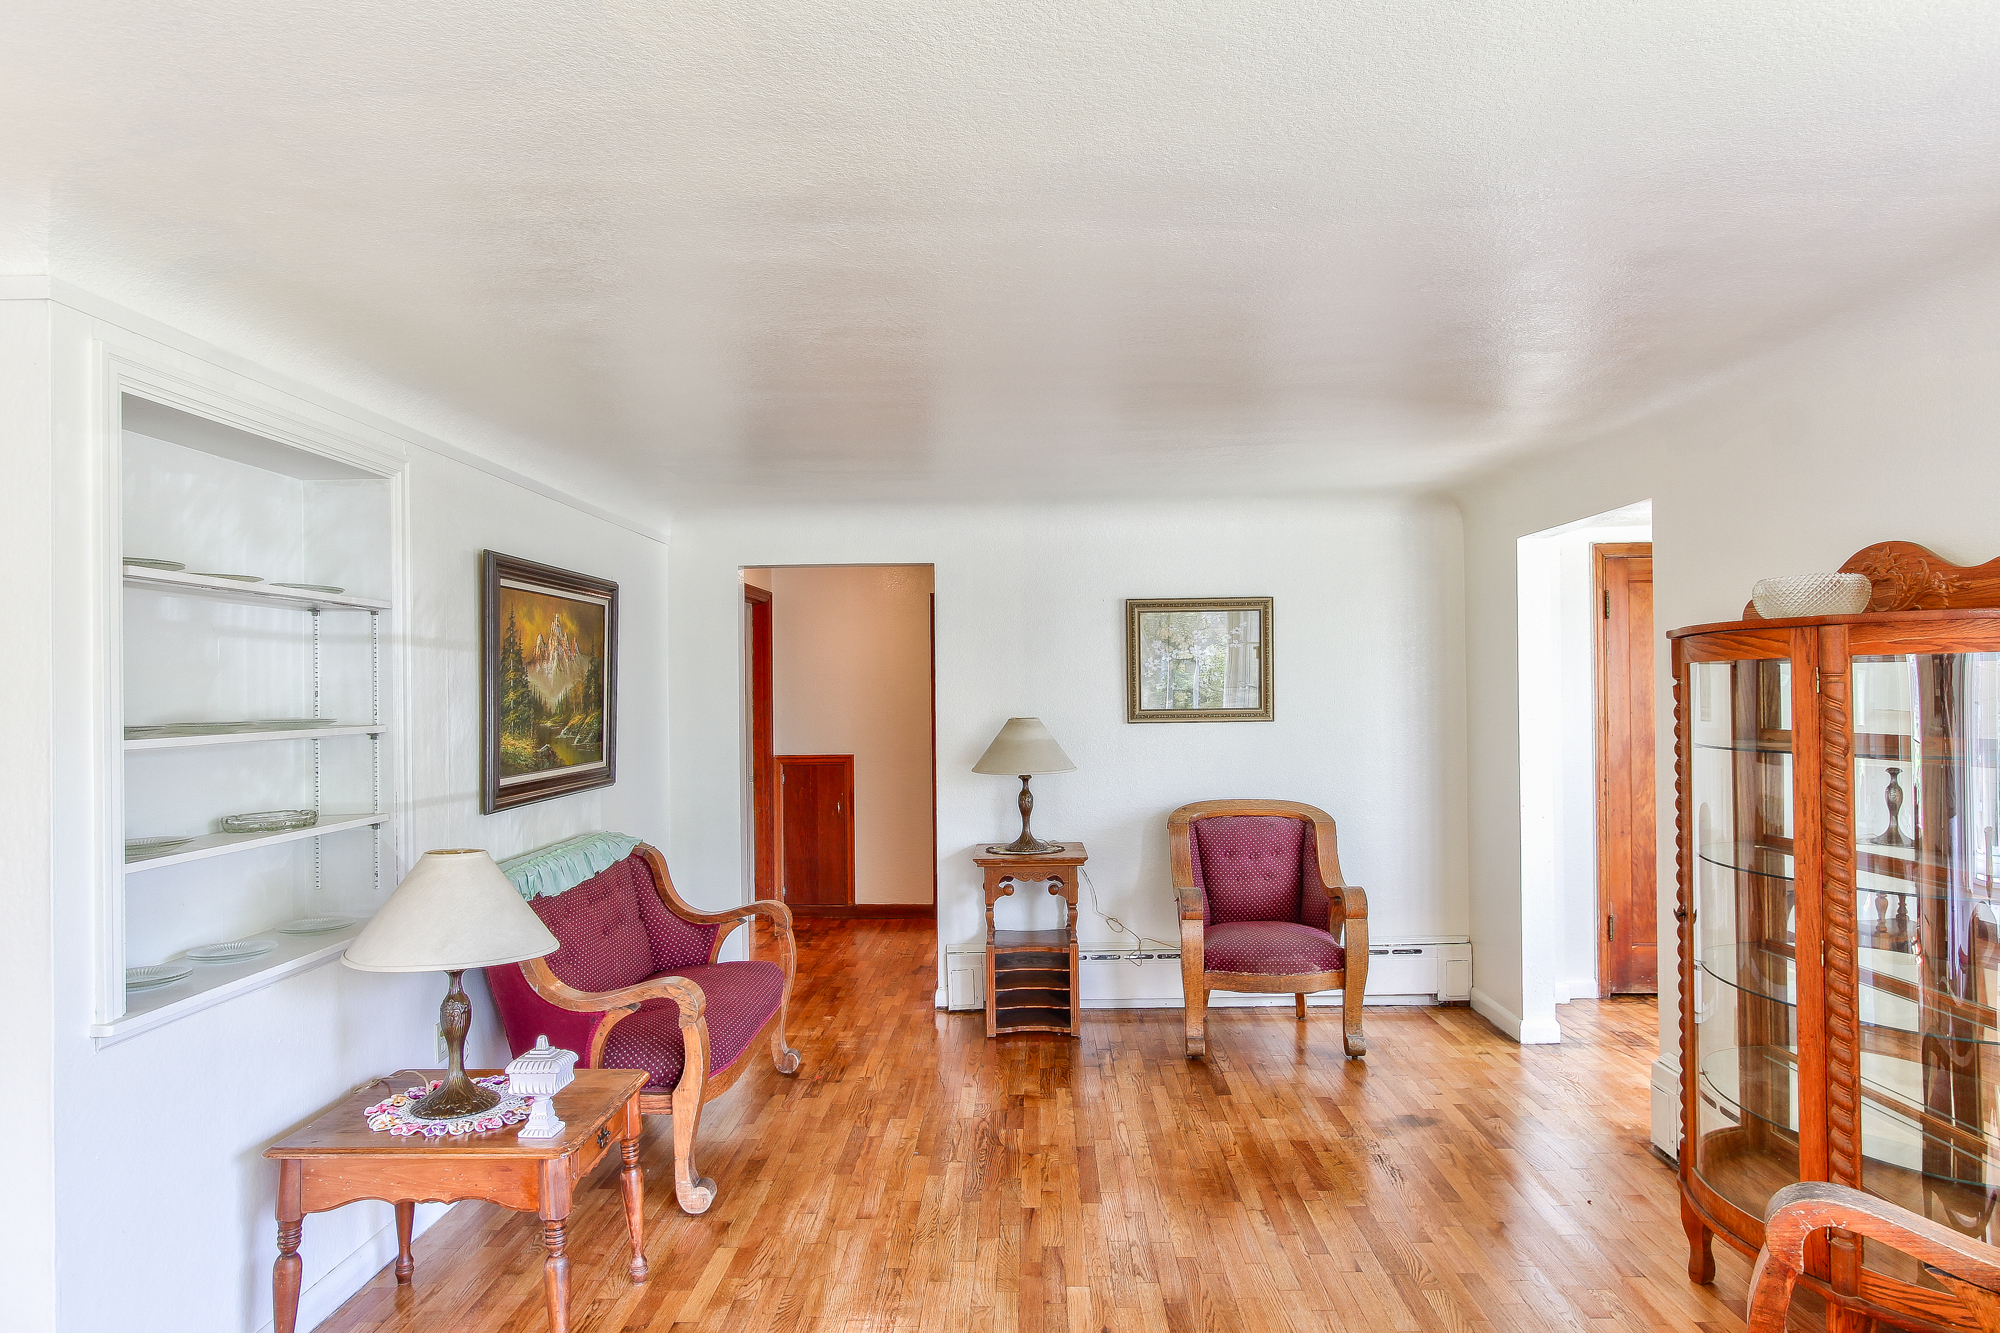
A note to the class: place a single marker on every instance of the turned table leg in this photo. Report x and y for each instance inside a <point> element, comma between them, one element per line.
<point>291,1221</point>
<point>555,1274</point>
<point>406,1216</point>
<point>635,1190</point>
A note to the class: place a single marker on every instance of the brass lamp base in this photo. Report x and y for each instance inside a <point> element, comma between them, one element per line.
<point>1026,847</point>
<point>1027,844</point>
<point>457,1095</point>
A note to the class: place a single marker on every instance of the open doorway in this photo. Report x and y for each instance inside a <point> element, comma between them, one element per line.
<point>1588,872</point>
<point>842,736</point>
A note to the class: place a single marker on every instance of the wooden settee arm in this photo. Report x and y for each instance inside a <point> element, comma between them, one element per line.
<point>1970,1268</point>
<point>618,1004</point>
<point>781,926</point>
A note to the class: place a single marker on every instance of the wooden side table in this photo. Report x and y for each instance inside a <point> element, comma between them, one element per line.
<point>1031,980</point>
<point>337,1160</point>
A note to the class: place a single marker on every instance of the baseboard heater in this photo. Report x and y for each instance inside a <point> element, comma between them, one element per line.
<point>1123,978</point>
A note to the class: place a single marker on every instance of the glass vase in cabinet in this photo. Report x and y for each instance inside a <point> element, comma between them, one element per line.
<point>1836,802</point>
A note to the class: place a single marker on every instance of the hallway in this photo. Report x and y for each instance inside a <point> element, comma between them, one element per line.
<point>916,1175</point>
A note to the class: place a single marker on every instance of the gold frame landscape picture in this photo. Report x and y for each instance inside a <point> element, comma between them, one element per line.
<point>550,682</point>
<point>1200,659</point>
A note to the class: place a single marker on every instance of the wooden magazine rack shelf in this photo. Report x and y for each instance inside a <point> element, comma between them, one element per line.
<point>1031,975</point>
<point>1837,812</point>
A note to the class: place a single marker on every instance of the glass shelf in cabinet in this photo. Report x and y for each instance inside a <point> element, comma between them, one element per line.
<point>1896,871</point>
<point>1899,1125</point>
<point>1770,1069</point>
<point>1747,746</point>
<point>1751,858</point>
<point>1755,969</point>
<point>1892,1002</point>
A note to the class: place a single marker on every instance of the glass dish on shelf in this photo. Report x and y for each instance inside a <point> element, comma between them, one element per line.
<point>310,587</point>
<point>234,578</point>
<point>148,562</point>
<point>269,821</point>
<point>135,847</point>
<point>162,730</point>
<point>155,975</point>
<point>316,925</point>
<point>231,951</point>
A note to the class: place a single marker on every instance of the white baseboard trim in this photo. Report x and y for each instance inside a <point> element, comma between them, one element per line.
<point>1666,1108</point>
<point>318,1301</point>
<point>1512,1024</point>
<point>1253,1000</point>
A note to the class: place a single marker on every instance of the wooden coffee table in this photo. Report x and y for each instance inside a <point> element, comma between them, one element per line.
<point>337,1160</point>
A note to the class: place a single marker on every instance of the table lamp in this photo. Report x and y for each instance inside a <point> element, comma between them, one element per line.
<point>454,910</point>
<point>1024,747</point>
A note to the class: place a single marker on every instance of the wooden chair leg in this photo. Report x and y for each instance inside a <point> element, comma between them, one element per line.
<point>1194,989</point>
<point>1354,987</point>
<point>1299,1005</point>
<point>783,1057</point>
<point>1196,1004</point>
<point>694,1191</point>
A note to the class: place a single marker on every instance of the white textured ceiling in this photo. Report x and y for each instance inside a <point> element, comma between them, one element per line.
<point>723,248</point>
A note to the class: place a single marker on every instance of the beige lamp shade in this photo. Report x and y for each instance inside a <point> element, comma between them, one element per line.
<point>454,910</point>
<point>1024,745</point>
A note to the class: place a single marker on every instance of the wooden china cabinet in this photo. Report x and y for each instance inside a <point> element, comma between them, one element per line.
<point>1836,803</point>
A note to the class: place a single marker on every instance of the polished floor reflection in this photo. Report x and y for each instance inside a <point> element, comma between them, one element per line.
<point>916,1175</point>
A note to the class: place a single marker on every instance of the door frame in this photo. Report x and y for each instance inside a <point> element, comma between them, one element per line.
<point>1630,764</point>
<point>763,742</point>
<point>846,762</point>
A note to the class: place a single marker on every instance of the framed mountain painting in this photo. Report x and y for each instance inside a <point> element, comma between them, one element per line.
<point>549,670</point>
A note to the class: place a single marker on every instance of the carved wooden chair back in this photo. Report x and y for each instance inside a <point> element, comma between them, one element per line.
<point>1967,1268</point>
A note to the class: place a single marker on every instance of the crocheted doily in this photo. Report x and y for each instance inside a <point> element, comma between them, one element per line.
<point>392,1115</point>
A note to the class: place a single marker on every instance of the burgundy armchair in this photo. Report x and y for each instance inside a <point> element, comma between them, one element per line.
<point>635,985</point>
<point>1264,908</point>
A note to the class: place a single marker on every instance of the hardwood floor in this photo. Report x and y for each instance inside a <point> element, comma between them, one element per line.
<point>917,1175</point>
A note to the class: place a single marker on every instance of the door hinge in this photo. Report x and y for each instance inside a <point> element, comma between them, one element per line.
<point>1607,603</point>
<point>1610,926</point>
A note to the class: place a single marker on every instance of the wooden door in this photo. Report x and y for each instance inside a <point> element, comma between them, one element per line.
<point>763,773</point>
<point>1627,947</point>
<point>816,829</point>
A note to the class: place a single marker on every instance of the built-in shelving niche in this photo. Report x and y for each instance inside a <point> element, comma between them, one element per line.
<point>201,648</point>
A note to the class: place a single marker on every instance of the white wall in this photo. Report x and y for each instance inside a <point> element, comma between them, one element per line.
<point>28,1244</point>
<point>174,1228</point>
<point>1878,427</point>
<point>1030,622</point>
<point>851,674</point>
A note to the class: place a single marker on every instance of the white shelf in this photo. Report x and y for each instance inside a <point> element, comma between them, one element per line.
<point>222,844</point>
<point>212,983</point>
<point>248,594</point>
<point>238,737</point>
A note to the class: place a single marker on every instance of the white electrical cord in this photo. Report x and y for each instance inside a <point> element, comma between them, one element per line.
<point>1115,923</point>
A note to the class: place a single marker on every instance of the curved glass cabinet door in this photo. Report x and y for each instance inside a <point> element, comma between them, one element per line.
<point>1744,985</point>
<point>1926,732</point>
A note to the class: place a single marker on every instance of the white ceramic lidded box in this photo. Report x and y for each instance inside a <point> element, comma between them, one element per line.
<point>539,1075</point>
